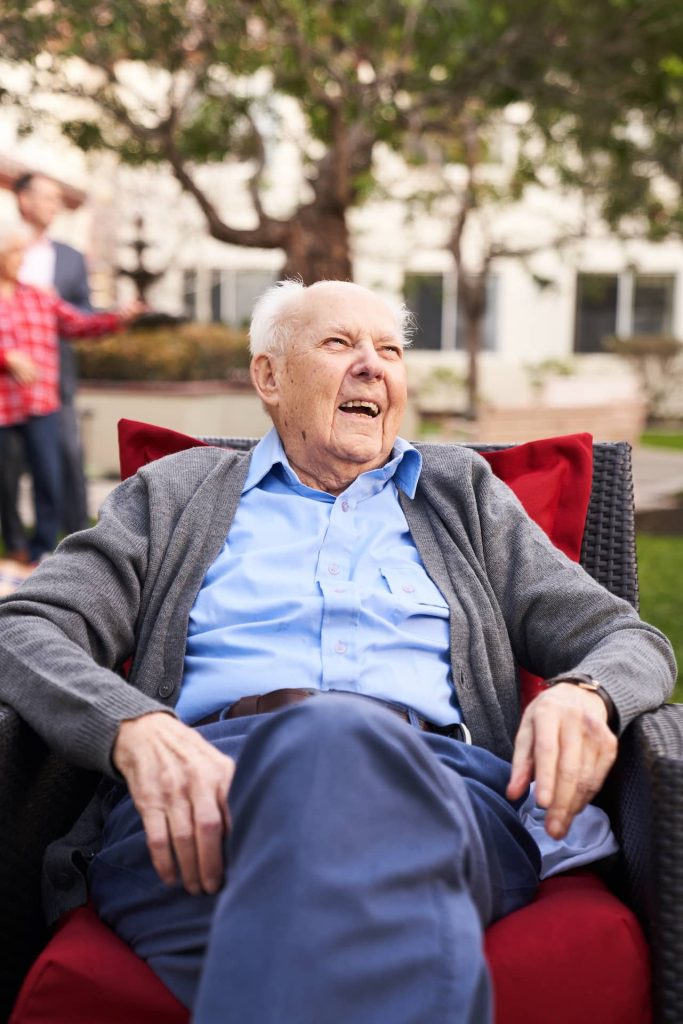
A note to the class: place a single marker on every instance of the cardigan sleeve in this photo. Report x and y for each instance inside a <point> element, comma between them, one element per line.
<point>559,619</point>
<point>67,630</point>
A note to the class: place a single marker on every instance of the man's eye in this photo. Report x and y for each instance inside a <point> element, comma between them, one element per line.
<point>335,341</point>
<point>394,350</point>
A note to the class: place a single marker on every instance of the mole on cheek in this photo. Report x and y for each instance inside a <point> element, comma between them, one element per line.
<point>303,434</point>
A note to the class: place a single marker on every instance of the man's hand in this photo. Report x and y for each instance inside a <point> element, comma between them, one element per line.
<point>21,366</point>
<point>132,311</point>
<point>179,784</point>
<point>563,742</point>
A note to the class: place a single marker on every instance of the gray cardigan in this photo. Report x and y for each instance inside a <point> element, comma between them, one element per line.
<point>125,588</point>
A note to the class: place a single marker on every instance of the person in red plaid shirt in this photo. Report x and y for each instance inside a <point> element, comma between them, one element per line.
<point>31,321</point>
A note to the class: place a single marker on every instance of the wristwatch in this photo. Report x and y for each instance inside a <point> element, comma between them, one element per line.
<point>586,682</point>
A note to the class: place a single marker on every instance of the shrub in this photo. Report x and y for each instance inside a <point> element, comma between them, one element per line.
<point>183,352</point>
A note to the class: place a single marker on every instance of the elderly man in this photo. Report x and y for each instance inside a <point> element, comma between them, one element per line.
<point>336,857</point>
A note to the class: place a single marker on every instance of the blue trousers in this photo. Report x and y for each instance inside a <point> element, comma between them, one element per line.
<point>40,435</point>
<point>365,859</point>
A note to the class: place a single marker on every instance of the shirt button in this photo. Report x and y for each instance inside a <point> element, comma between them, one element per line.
<point>333,569</point>
<point>345,505</point>
<point>409,588</point>
<point>340,647</point>
<point>340,590</point>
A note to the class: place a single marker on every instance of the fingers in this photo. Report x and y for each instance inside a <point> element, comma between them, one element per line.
<point>522,760</point>
<point>565,738</point>
<point>179,784</point>
<point>159,844</point>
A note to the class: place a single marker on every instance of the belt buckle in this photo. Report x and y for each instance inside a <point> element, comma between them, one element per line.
<point>459,731</point>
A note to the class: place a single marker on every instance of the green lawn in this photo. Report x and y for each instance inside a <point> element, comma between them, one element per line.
<point>663,439</point>
<point>660,567</point>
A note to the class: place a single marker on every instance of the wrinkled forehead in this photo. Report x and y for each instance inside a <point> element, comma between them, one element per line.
<point>347,309</point>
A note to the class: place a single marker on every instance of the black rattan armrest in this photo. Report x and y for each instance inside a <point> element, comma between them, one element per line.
<point>647,815</point>
<point>40,798</point>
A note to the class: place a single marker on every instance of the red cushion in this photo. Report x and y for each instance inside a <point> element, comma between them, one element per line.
<point>141,443</point>
<point>574,954</point>
<point>552,478</point>
<point>87,975</point>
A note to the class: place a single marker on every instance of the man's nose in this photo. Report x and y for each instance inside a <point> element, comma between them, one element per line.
<point>368,362</point>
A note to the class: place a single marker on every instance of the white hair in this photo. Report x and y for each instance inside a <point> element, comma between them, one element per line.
<point>273,321</point>
<point>271,329</point>
<point>10,230</point>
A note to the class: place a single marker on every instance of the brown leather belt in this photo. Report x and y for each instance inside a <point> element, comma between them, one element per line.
<point>264,703</point>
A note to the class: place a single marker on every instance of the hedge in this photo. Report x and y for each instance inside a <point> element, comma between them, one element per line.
<point>183,352</point>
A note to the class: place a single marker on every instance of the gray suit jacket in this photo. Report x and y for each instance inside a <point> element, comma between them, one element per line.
<point>126,587</point>
<point>71,283</point>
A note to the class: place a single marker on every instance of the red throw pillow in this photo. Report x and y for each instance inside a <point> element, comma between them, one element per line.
<point>552,478</point>
<point>142,443</point>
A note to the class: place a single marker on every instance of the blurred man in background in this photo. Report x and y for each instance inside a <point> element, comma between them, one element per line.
<point>48,265</point>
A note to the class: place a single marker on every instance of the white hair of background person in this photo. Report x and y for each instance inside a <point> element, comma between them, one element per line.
<point>271,327</point>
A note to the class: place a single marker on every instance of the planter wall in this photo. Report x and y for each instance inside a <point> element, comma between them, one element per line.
<point>194,408</point>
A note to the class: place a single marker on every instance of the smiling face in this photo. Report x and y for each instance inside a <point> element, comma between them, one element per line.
<point>338,392</point>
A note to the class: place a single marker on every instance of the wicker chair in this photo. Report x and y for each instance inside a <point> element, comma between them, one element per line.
<point>40,796</point>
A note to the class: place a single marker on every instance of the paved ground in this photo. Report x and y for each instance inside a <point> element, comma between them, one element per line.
<point>657,478</point>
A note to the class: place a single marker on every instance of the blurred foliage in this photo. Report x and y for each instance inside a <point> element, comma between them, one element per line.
<point>188,352</point>
<point>656,359</point>
<point>598,89</point>
<point>543,370</point>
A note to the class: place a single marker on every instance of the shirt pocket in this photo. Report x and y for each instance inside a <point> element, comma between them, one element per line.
<point>412,588</point>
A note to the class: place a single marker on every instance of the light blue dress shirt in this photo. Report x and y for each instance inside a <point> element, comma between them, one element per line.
<point>320,592</point>
<point>323,592</point>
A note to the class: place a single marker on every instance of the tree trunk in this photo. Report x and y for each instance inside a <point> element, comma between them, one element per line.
<point>317,246</point>
<point>472,294</point>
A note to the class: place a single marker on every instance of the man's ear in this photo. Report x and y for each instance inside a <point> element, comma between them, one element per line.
<point>264,378</point>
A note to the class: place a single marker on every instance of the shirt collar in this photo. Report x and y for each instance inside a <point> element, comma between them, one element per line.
<point>405,465</point>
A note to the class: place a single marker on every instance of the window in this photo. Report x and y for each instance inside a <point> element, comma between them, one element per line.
<point>441,324</point>
<point>223,296</point>
<point>190,294</point>
<point>622,304</point>
<point>216,296</point>
<point>653,305</point>
<point>424,299</point>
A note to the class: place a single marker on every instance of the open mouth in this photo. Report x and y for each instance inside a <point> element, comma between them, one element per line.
<point>359,407</point>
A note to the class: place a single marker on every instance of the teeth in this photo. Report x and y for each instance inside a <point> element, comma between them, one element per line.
<point>372,408</point>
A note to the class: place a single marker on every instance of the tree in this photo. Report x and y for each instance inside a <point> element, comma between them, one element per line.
<point>597,108</point>
<point>195,81</point>
<point>191,82</point>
